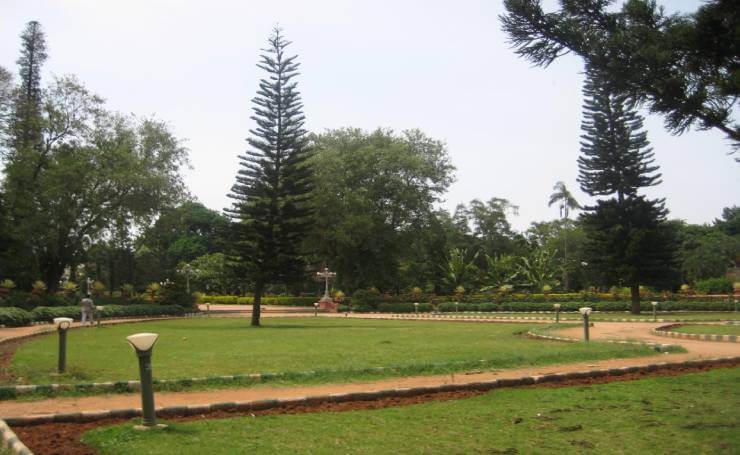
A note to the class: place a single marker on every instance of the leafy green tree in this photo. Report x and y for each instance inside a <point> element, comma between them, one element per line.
<point>730,221</point>
<point>566,202</point>
<point>272,190</point>
<point>500,270</point>
<point>374,206</point>
<point>95,173</point>
<point>628,239</point>
<point>459,270</point>
<point>213,273</point>
<point>682,66</point>
<point>538,269</point>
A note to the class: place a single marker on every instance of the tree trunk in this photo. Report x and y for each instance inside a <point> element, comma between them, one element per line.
<point>635,297</point>
<point>256,303</point>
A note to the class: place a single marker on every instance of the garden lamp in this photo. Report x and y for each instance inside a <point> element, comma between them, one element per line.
<point>316,308</point>
<point>655,308</point>
<point>416,307</point>
<point>63,324</point>
<point>585,311</point>
<point>556,307</point>
<point>99,310</point>
<point>143,343</point>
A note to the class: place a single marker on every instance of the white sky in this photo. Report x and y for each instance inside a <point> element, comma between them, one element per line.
<point>441,66</point>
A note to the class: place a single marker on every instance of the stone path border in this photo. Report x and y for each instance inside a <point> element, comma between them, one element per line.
<point>665,331</point>
<point>91,416</point>
<point>660,347</point>
<point>483,315</point>
<point>10,441</point>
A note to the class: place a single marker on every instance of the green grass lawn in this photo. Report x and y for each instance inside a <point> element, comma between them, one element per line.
<point>339,349</point>
<point>709,329</point>
<point>660,415</point>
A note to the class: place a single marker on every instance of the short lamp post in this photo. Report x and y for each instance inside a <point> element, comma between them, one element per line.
<point>655,310</point>
<point>416,307</point>
<point>457,307</point>
<point>63,325</point>
<point>735,305</point>
<point>208,308</point>
<point>143,343</point>
<point>585,311</point>
<point>316,308</point>
<point>556,307</point>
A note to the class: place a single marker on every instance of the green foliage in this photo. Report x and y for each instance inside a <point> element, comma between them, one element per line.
<point>707,252</point>
<point>714,286</point>
<point>681,66</point>
<point>15,317</point>
<point>374,196</point>
<point>369,298</point>
<point>266,300</point>
<point>271,195</point>
<point>404,308</point>
<point>212,272</point>
<point>38,287</point>
<point>47,314</point>
<point>7,284</point>
<point>459,270</point>
<point>538,269</point>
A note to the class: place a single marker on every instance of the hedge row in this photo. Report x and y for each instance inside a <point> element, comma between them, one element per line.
<point>448,307</point>
<point>16,317</point>
<point>28,301</point>
<point>238,300</point>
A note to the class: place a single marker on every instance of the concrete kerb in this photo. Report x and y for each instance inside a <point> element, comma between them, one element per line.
<point>10,441</point>
<point>667,331</point>
<point>660,347</point>
<point>246,406</point>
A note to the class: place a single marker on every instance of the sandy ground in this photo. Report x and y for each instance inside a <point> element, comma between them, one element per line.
<point>601,331</point>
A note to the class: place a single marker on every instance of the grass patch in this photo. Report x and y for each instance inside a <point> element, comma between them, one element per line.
<point>335,349</point>
<point>709,329</point>
<point>659,415</point>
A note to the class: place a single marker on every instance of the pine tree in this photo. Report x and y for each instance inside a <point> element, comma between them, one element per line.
<point>27,124</point>
<point>271,194</point>
<point>628,239</point>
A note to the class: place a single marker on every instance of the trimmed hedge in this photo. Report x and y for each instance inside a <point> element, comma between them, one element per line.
<point>450,307</point>
<point>47,314</point>
<point>14,317</point>
<point>244,300</point>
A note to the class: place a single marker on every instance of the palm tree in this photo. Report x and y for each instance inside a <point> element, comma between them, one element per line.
<point>567,202</point>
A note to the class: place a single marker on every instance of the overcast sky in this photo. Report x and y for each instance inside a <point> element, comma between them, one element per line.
<point>512,130</point>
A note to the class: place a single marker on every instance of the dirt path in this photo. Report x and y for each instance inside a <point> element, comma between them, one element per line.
<point>164,399</point>
<point>601,330</point>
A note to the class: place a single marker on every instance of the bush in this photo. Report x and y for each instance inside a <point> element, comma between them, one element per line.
<point>366,298</point>
<point>14,317</point>
<point>404,308</point>
<point>714,286</point>
<point>245,300</point>
<point>109,311</point>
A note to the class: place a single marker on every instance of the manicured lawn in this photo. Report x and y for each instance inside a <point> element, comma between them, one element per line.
<point>661,415</point>
<point>709,329</point>
<point>339,349</point>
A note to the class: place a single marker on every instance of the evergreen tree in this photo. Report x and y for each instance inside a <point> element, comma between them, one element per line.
<point>271,193</point>
<point>27,124</point>
<point>628,239</point>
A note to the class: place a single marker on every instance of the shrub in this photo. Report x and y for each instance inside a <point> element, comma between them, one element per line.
<point>14,317</point>
<point>366,298</point>
<point>7,284</point>
<point>38,287</point>
<point>109,311</point>
<point>714,286</point>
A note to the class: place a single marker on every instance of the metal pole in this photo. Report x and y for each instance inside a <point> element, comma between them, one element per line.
<point>187,280</point>
<point>62,350</point>
<point>557,315</point>
<point>147,392</point>
<point>585,327</point>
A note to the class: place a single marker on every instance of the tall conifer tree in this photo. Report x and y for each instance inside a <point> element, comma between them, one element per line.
<point>628,239</point>
<point>27,123</point>
<point>271,194</point>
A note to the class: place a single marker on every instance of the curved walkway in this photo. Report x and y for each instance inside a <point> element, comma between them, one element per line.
<point>601,331</point>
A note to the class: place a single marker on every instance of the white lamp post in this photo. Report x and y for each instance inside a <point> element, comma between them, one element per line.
<point>556,306</point>
<point>62,325</point>
<point>655,310</point>
<point>416,307</point>
<point>143,343</point>
<point>585,311</point>
<point>316,308</point>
